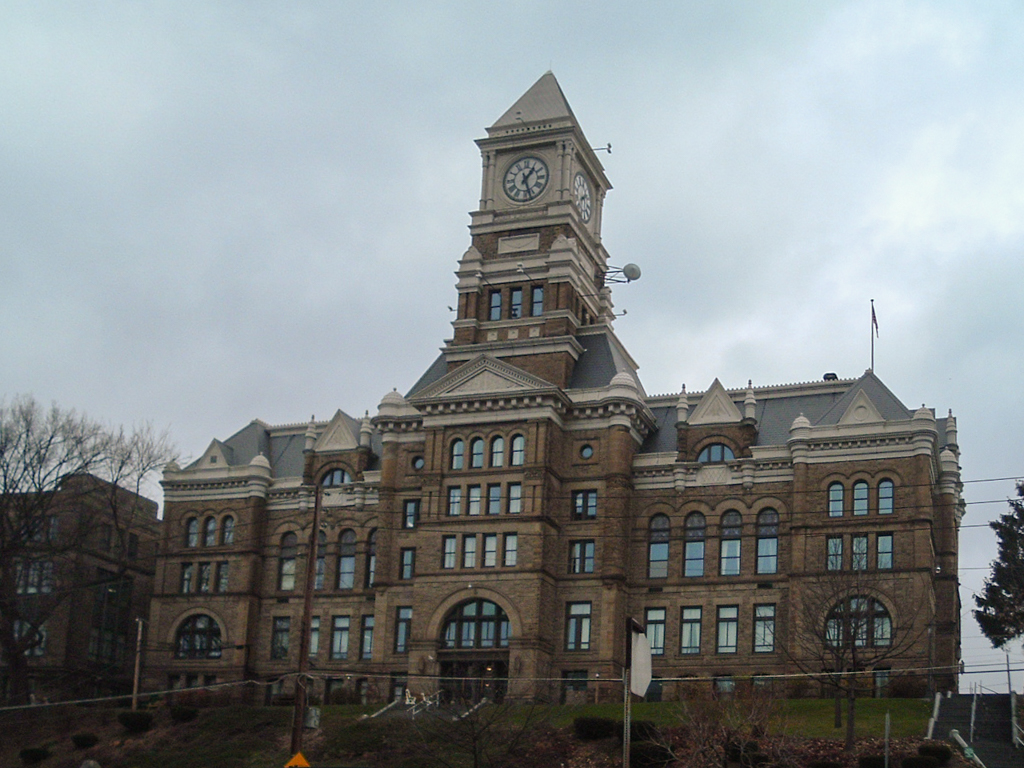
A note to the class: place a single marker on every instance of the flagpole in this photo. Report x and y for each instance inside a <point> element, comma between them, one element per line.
<point>873,332</point>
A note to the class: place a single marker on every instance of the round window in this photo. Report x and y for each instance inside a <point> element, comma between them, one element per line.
<point>587,451</point>
<point>418,462</point>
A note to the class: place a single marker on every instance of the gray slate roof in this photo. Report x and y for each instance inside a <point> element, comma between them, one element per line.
<point>543,101</point>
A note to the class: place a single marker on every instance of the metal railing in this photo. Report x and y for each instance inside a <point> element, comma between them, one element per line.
<point>1017,731</point>
<point>423,703</point>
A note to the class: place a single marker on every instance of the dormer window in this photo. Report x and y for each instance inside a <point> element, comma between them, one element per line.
<point>336,477</point>
<point>715,454</point>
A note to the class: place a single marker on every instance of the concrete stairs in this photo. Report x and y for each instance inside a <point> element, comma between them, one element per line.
<point>992,729</point>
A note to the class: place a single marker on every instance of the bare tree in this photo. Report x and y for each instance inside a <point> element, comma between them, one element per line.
<point>65,481</point>
<point>854,622</point>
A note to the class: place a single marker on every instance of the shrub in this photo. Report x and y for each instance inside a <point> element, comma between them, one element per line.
<point>754,759</point>
<point>871,761</point>
<point>919,761</point>
<point>33,755</point>
<point>735,750</point>
<point>594,728</point>
<point>135,722</point>
<point>940,752</point>
<point>647,754</point>
<point>84,740</point>
<point>182,714</point>
<point>824,764</point>
<point>643,730</point>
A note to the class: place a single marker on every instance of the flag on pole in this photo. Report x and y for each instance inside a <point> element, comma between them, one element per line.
<point>874,320</point>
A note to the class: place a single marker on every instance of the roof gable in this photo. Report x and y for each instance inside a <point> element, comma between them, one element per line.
<point>543,101</point>
<point>871,394</point>
<point>339,435</point>
<point>483,375</point>
<point>716,407</point>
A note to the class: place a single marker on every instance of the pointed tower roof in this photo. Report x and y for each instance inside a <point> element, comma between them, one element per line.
<point>544,101</point>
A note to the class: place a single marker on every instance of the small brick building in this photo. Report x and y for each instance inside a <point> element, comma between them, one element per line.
<point>491,531</point>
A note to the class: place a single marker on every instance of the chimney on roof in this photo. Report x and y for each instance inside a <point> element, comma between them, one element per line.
<point>831,377</point>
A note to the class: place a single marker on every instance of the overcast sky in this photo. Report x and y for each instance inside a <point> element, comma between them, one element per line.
<point>212,212</point>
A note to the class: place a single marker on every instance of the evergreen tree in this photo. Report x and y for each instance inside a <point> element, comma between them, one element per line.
<point>1001,604</point>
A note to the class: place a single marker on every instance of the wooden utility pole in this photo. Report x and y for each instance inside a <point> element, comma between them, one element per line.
<point>301,681</point>
<point>138,663</point>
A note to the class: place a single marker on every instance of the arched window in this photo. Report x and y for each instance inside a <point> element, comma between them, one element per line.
<point>192,532</point>
<point>458,454</point>
<point>371,558</point>
<point>730,545</point>
<point>286,561</point>
<point>767,541</point>
<point>198,637</point>
<point>227,530</point>
<point>693,551</point>
<point>715,453</point>
<point>347,559</point>
<point>835,500</point>
<point>336,477</point>
<point>475,624</point>
<point>209,532</point>
<point>498,452</point>
<point>886,491</point>
<point>321,559</point>
<point>518,450</point>
<point>657,547</point>
<point>860,622</point>
<point>476,453</point>
<point>860,498</point>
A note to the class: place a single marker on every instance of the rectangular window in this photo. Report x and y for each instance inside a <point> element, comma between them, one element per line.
<point>493,499</point>
<point>884,554</point>
<point>494,311</point>
<point>515,498</point>
<point>455,501</point>
<point>859,553</point>
<point>730,565</point>
<point>469,551</point>
<point>515,303</point>
<point>490,550</point>
<point>223,569</point>
<point>366,647</point>
<point>339,637</point>
<point>577,627</point>
<point>449,545</point>
<point>581,556</point>
<point>279,637</point>
<point>23,629</point>
<point>187,572</point>
<point>314,636</point>
<point>768,555</point>
<point>408,556</point>
<point>690,630</point>
<point>511,550</point>
<point>205,576</point>
<point>412,513</point>
<point>656,630</point>
<point>474,500</point>
<point>834,558</point>
<point>403,629</point>
<point>728,628</point>
<point>693,559</point>
<point>584,505</point>
<point>764,628</point>
<point>537,300</point>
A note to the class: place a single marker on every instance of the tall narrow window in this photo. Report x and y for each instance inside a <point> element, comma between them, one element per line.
<point>205,576</point>
<point>835,500</point>
<point>185,585</point>
<point>693,554</point>
<point>449,545</point>
<point>515,303</point>
<point>657,547</point>
<point>321,560</point>
<point>859,553</point>
<point>366,646</point>
<point>458,454</point>
<point>347,559</point>
<point>314,636</point>
<point>408,563</point>
<point>537,300</point>
<point>656,630</point>
<point>279,637</point>
<point>411,513</point>
<point>494,499</point>
<point>730,557</point>
<point>885,497</point>
<point>490,550</point>
<point>454,501</point>
<point>498,452</point>
<point>518,450</point>
<point>690,630</point>
<point>192,532</point>
<point>860,498</point>
<point>227,530</point>
<point>210,532</point>
<point>339,637</point>
<point>581,556</point>
<point>511,550</point>
<point>494,310</point>
<point>371,558</point>
<point>474,499</point>
<point>577,627</point>
<point>403,628</point>
<point>728,628</point>
<point>584,505</point>
<point>469,551</point>
<point>223,570</point>
<point>764,628</point>
<point>884,555</point>
<point>768,541</point>
<point>834,553</point>
<point>515,498</point>
<point>286,562</point>
<point>476,453</point>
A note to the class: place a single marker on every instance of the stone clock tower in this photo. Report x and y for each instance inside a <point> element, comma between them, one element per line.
<point>534,275</point>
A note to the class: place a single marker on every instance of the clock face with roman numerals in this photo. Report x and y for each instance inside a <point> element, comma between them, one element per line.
<point>525,179</point>
<point>581,194</point>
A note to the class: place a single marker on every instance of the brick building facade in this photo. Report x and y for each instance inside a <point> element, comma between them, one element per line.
<point>490,531</point>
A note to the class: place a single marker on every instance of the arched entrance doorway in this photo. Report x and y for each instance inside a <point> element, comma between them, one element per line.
<point>474,652</point>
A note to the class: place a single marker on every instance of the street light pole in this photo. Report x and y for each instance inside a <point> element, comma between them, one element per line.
<point>299,715</point>
<point>138,662</point>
